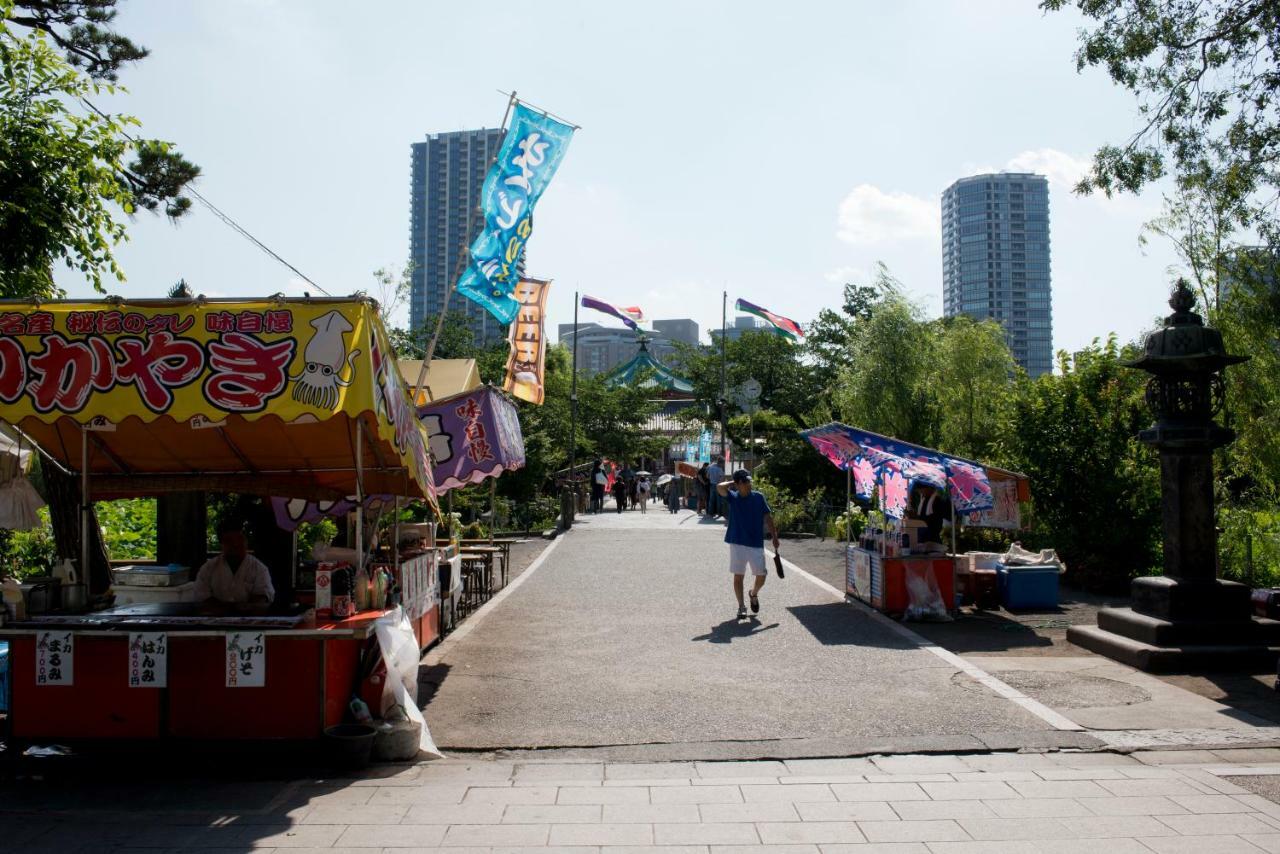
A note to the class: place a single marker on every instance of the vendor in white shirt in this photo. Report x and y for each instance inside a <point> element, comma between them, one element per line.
<point>235,576</point>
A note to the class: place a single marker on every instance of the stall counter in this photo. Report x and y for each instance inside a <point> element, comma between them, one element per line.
<point>881,581</point>
<point>309,674</point>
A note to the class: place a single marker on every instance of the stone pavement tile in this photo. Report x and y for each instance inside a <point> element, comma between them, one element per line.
<point>1058,773</point>
<point>735,781</point>
<point>497,834</point>
<point>418,795</point>
<point>1245,755</point>
<point>601,834</point>
<point>1133,788</point>
<point>511,795</point>
<point>392,836</point>
<point>800,767</point>
<point>73,834</point>
<point>1107,826</point>
<point>973,791</point>
<point>1152,772</point>
<point>386,775</point>
<point>822,779</point>
<point>1208,825</point>
<point>436,772</point>
<point>923,810</point>
<point>1200,845</point>
<point>986,846</point>
<point>649,770</point>
<point>603,795</point>
<point>647,781</point>
<point>995,776</point>
<point>175,837</point>
<point>778,833</point>
<point>705,834</point>
<point>454,814</point>
<point>640,849</point>
<point>1091,760</point>
<point>879,792</point>
<point>787,794</point>
<point>1034,808</point>
<point>1210,803</point>
<point>322,795</point>
<point>651,814</point>
<point>321,836</point>
<point>568,781</point>
<point>1087,846</point>
<point>908,778</point>
<point>877,848</point>
<point>1002,829</point>
<point>765,768</point>
<point>558,771</point>
<point>848,811</point>
<point>1140,805</point>
<point>920,764</point>
<point>696,795</point>
<point>1269,842</point>
<point>1007,761</point>
<point>764,849</point>
<point>1177,757</point>
<point>1061,789</point>
<point>551,814</point>
<point>363,814</point>
<point>1259,804</point>
<point>716,813</point>
<point>944,830</point>
<point>1214,783</point>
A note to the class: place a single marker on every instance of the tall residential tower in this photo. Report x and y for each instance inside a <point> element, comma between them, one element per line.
<point>995,260</point>
<point>447,174</point>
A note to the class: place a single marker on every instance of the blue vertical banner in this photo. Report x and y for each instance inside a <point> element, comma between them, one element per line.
<point>704,447</point>
<point>530,154</point>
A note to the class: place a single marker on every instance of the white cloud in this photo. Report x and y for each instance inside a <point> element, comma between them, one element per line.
<point>1062,169</point>
<point>841,275</point>
<point>869,215</point>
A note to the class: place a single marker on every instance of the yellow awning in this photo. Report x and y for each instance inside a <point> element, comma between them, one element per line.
<point>255,396</point>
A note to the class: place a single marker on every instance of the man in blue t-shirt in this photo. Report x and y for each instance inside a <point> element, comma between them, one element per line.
<point>749,514</point>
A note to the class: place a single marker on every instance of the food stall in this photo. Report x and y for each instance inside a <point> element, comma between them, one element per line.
<point>295,397</point>
<point>893,568</point>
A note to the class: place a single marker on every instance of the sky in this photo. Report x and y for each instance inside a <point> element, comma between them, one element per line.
<point>773,151</point>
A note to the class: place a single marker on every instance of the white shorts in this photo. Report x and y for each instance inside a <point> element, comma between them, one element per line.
<point>741,557</point>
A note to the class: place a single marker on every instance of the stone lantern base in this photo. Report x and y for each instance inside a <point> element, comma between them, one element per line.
<point>1183,625</point>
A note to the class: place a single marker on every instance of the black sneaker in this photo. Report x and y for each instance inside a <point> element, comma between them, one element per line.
<point>742,612</point>
<point>755,604</point>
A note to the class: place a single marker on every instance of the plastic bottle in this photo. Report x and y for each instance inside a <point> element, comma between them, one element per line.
<point>362,590</point>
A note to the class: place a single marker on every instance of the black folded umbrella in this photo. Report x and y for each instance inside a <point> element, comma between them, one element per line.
<point>777,564</point>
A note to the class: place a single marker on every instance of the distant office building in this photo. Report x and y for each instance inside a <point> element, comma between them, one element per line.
<point>995,260</point>
<point>603,348</point>
<point>741,324</point>
<point>448,170</point>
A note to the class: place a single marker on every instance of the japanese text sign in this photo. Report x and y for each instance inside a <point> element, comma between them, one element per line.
<point>472,436</point>
<point>148,659</point>
<point>55,658</point>
<point>528,342</point>
<point>530,154</point>
<point>246,660</point>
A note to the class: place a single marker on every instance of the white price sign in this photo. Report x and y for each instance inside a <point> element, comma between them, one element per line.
<point>246,660</point>
<point>55,658</point>
<point>148,659</point>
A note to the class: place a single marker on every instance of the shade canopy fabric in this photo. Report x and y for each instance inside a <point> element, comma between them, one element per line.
<point>255,396</point>
<point>472,436</point>
<point>445,378</point>
<point>895,466</point>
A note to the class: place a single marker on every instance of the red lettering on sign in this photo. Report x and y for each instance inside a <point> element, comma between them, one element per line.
<point>13,370</point>
<point>39,323</point>
<point>158,364</point>
<point>63,374</point>
<point>246,372</point>
<point>278,320</point>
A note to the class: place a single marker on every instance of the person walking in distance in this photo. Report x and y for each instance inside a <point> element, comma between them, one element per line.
<point>704,487</point>
<point>642,492</point>
<point>749,514</point>
<point>598,481</point>
<point>620,493</point>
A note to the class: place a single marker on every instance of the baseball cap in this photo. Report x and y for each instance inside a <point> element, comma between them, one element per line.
<point>741,475</point>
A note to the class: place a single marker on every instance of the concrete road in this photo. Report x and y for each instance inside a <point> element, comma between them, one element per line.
<point>626,634</point>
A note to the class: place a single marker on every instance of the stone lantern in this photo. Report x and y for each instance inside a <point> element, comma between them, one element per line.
<point>1187,618</point>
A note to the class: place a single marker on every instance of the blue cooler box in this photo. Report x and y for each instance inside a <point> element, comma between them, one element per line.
<point>1027,586</point>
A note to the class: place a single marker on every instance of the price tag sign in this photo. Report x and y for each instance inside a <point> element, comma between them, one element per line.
<point>148,659</point>
<point>55,658</point>
<point>246,660</point>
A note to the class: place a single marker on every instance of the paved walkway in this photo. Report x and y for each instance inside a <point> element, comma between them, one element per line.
<point>626,636</point>
<point>1057,803</point>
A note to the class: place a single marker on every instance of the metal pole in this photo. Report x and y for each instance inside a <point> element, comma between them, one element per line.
<point>724,355</point>
<point>293,562</point>
<point>359,494</point>
<point>395,543</point>
<point>848,499</point>
<point>493,501</point>
<point>573,397</point>
<point>84,506</point>
<point>461,265</point>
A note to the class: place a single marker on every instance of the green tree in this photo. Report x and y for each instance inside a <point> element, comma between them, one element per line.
<point>973,387</point>
<point>68,172</point>
<point>1205,74</point>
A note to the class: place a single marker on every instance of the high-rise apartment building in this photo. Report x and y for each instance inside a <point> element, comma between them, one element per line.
<point>995,260</point>
<point>603,348</point>
<point>448,170</point>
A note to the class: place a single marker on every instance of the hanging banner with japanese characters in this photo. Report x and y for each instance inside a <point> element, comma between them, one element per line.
<point>528,342</point>
<point>265,389</point>
<point>246,660</point>
<point>55,658</point>
<point>472,436</point>
<point>530,154</point>
<point>148,659</point>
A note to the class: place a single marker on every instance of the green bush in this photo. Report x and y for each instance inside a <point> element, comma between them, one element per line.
<point>788,512</point>
<point>128,527</point>
<point>27,553</point>
<point>1249,546</point>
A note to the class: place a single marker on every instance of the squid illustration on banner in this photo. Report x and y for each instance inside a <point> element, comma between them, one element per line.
<point>530,154</point>
<point>528,342</point>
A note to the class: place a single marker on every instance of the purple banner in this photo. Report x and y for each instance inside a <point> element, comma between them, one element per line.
<point>473,436</point>
<point>292,512</point>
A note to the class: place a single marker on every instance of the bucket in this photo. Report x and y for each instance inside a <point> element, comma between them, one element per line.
<point>350,745</point>
<point>397,741</point>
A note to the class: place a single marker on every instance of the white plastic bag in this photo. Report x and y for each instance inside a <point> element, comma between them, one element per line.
<point>924,597</point>
<point>401,655</point>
